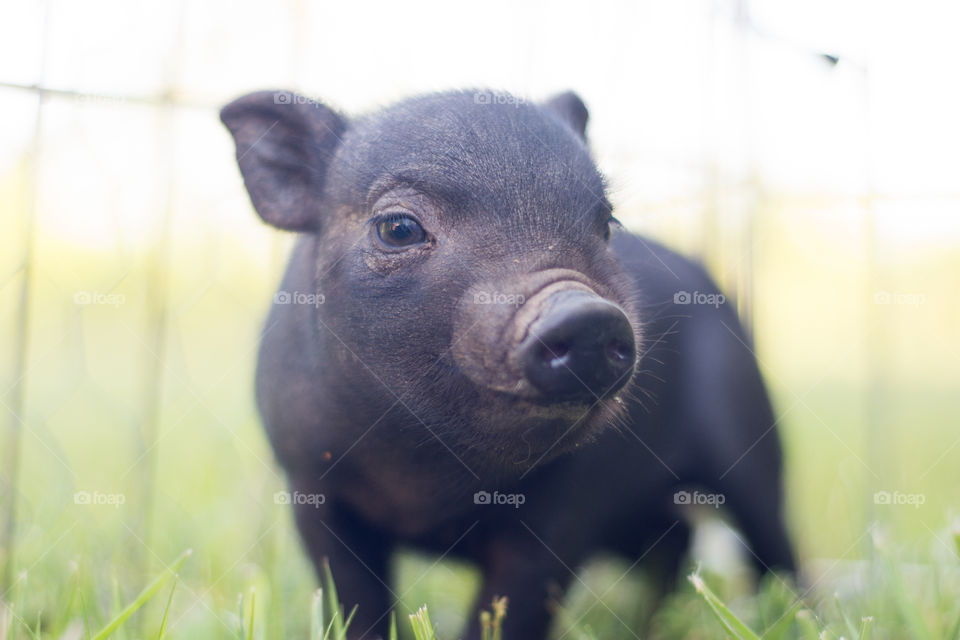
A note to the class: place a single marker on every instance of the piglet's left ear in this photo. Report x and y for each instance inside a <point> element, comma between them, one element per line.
<point>569,108</point>
<point>284,145</point>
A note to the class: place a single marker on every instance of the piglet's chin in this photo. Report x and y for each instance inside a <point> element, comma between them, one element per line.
<point>540,434</point>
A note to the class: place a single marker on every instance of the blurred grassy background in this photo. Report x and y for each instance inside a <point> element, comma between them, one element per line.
<point>147,276</point>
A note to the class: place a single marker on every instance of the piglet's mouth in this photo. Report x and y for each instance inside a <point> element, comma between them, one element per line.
<point>536,441</point>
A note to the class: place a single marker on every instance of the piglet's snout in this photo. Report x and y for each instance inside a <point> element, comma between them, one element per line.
<point>580,347</point>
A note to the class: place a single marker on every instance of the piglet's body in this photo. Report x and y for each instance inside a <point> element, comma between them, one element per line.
<point>464,358</point>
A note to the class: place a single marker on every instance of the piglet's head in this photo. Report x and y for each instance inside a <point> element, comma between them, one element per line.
<point>462,254</point>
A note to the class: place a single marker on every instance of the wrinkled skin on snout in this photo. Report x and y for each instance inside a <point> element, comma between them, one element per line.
<point>461,316</point>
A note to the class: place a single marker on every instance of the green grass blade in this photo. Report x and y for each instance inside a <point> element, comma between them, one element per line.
<point>499,613</point>
<point>486,625</point>
<point>730,622</point>
<point>6,619</point>
<point>83,611</point>
<point>115,602</point>
<point>779,628</point>
<point>393,626</point>
<point>491,623</point>
<point>240,619</point>
<point>851,628</point>
<point>422,626</point>
<point>316,616</point>
<point>346,623</point>
<point>499,607</point>
<point>142,599</point>
<point>808,627</point>
<point>166,610</point>
<point>19,597</point>
<point>333,601</point>
<point>865,625</point>
<point>329,630</point>
<point>64,618</point>
<point>253,604</point>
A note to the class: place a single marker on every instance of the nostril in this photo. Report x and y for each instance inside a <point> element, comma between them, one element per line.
<point>556,354</point>
<point>619,352</point>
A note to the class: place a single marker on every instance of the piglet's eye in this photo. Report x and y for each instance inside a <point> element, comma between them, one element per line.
<point>400,231</point>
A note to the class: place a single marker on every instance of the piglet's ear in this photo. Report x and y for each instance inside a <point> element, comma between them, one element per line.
<point>570,109</point>
<point>284,145</point>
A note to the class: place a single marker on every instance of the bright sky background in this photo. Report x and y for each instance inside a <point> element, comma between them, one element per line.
<point>674,88</point>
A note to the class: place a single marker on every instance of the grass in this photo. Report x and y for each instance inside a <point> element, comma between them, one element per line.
<point>892,606</point>
<point>80,567</point>
<point>327,620</point>
<point>899,612</point>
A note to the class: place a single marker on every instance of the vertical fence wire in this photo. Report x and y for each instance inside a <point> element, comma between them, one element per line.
<point>876,432</point>
<point>21,334</point>
<point>752,187</point>
<point>158,304</point>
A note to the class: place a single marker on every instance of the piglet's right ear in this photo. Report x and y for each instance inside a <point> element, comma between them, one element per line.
<point>284,145</point>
